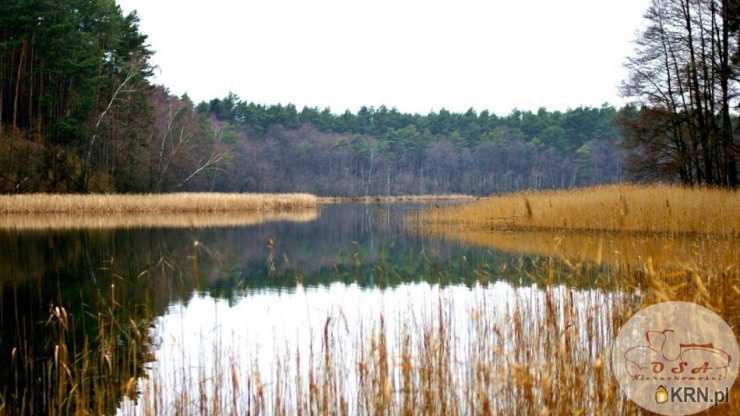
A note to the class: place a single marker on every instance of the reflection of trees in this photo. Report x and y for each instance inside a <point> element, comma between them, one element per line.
<point>71,347</point>
<point>113,283</point>
<point>75,308</point>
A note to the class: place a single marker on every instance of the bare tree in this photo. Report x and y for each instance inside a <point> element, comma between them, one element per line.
<point>684,83</point>
<point>122,88</point>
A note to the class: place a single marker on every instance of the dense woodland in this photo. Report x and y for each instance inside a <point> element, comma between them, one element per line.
<point>78,113</point>
<point>383,151</point>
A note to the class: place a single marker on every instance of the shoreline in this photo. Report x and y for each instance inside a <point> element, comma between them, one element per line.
<point>385,199</point>
<point>62,212</point>
<point>196,202</point>
<point>130,220</point>
<point>32,204</point>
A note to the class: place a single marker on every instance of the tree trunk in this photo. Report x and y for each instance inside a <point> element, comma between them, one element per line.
<point>693,73</point>
<point>18,85</point>
<point>2,82</point>
<point>726,135</point>
<point>29,110</point>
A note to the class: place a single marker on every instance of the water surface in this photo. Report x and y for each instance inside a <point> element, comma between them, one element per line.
<point>240,298</point>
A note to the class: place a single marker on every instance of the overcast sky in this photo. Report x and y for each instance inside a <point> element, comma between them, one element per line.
<point>416,55</point>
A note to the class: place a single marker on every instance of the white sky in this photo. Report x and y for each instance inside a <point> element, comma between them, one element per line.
<point>416,55</point>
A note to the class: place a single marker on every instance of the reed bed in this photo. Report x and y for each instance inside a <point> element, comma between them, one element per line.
<point>630,208</point>
<point>524,355</point>
<point>153,203</point>
<point>97,221</point>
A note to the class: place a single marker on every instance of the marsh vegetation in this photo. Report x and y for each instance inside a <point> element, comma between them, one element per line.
<point>106,204</point>
<point>184,210</point>
<point>70,221</point>
<point>621,208</point>
<point>355,311</point>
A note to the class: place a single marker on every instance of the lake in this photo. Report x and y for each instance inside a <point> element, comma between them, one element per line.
<point>336,312</point>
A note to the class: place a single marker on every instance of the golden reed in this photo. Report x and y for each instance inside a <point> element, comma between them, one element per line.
<point>633,208</point>
<point>153,203</point>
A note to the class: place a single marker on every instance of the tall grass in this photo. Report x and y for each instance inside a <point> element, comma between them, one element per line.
<point>67,373</point>
<point>98,221</point>
<point>153,203</point>
<point>521,357</point>
<point>633,208</point>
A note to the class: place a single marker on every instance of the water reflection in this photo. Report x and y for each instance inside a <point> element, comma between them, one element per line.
<point>669,252</point>
<point>84,311</point>
<point>122,276</point>
<point>270,337</point>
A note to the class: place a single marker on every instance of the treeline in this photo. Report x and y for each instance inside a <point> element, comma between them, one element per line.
<point>79,114</point>
<point>72,93</point>
<point>384,151</point>
<point>685,77</point>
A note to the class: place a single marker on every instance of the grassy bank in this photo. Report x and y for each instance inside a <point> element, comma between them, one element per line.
<point>153,203</point>
<point>633,208</point>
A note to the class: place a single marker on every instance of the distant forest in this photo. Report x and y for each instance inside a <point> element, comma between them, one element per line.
<point>78,113</point>
<point>383,151</point>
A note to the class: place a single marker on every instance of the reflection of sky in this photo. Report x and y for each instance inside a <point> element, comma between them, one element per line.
<point>252,316</point>
<point>208,336</point>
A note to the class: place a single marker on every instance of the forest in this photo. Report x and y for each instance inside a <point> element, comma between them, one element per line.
<point>79,113</point>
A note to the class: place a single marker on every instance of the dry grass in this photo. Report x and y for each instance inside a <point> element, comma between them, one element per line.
<point>382,199</point>
<point>632,208</point>
<point>96,221</point>
<point>153,203</point>
<point>79,379</point>
<point>523,357</point>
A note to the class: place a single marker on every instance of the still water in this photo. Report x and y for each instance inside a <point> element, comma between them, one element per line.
<point>256,305</point>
